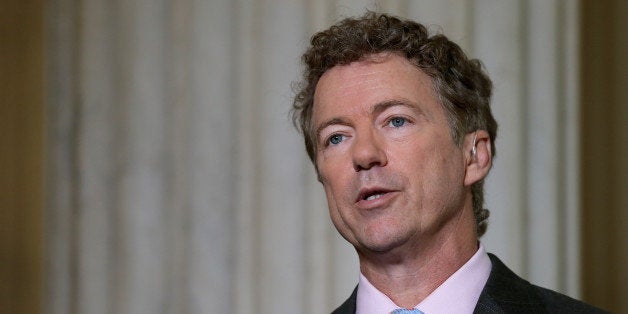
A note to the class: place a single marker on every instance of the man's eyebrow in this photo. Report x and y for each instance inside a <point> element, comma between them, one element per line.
<point>382,106</point>
<point>329,122</point>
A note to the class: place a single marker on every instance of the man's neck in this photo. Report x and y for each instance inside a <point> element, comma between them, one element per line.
<point>409,277</point>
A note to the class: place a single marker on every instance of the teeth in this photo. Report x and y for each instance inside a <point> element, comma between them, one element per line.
<point>372,197</point>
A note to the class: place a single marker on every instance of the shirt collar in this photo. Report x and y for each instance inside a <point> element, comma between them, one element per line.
<point>458,294</point>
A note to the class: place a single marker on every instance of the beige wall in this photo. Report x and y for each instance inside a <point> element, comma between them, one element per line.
<point>21,156</point>
<point>605,153</point>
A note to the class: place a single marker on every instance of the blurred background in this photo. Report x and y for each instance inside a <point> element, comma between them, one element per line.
<point>149,164</point>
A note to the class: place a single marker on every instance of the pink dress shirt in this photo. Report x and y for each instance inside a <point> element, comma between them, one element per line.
<point>458,294</point>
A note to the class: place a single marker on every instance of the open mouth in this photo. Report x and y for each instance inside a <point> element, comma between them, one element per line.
<point>373,197</point>
<point>371,194</point>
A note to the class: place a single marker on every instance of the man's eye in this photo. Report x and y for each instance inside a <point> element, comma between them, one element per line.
<point>397,122</point>
<point>335,139</point>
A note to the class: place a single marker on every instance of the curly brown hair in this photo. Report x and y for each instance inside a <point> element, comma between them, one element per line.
<point>463,88</point>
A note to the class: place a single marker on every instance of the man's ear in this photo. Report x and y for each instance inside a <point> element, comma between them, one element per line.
<point>478,156</point>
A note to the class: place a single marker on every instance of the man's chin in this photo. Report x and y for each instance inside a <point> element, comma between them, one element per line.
<point>381,245</point>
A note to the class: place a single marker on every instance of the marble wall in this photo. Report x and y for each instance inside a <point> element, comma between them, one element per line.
<point>177,183</point>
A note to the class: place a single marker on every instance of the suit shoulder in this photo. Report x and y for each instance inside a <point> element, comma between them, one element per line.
<point>349,306</point>
<point>505,292</point>
<point>559,303</point>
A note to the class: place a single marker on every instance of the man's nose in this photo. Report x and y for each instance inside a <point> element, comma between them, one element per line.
<point>368,152</point>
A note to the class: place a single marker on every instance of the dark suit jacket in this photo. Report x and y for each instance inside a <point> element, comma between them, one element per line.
<point>505,292</point>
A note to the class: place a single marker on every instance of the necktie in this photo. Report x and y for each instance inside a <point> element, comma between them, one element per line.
<point>406,311</point>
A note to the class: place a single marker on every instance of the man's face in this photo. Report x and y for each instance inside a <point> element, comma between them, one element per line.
<point>392,173</point>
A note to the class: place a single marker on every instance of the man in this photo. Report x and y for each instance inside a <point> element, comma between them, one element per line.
<point>400,131</point>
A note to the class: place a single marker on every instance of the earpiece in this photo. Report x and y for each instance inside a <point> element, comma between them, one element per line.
<point>473,147</point>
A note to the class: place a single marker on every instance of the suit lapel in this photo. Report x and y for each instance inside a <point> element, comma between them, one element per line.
<point>505,292</point>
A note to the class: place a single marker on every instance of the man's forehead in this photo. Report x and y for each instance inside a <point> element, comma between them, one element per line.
<point>365,69</point>
<point>365,83</point>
